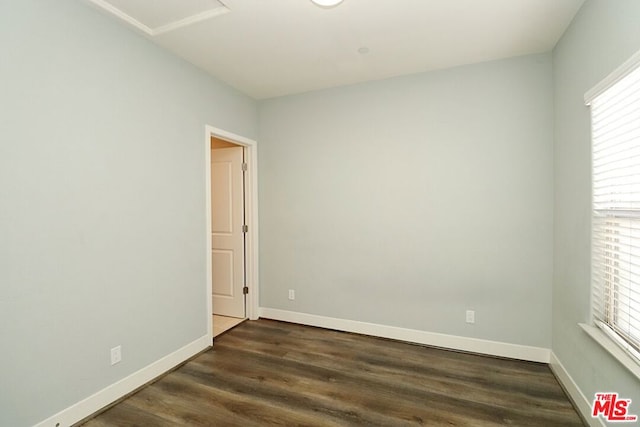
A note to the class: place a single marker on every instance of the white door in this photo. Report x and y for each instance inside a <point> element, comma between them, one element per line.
<point>227,236</point>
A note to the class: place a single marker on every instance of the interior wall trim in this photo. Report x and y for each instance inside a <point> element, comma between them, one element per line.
<point>252,236</point>
<point>580,401</point>
<point>92,404</point>
<point>474,345</point>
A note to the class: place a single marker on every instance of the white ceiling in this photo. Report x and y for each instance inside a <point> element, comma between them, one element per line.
<point>269,48</point>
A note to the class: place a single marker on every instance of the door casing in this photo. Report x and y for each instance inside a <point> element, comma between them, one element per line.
<point>251,212</point>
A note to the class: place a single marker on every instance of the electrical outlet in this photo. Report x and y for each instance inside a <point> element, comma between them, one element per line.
<point>116,355</point>
<point>292,294</point>
<point>471,316</point>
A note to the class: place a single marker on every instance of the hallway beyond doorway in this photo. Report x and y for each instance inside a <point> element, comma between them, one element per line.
<point>224,323</point>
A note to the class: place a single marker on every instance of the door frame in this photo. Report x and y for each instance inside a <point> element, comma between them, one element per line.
<point>251,215</point>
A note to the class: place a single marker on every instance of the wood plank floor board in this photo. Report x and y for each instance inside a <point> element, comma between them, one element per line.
<point>171,402</point>
<point>265,373</point>
<point>440,376</point>
<point>422,389</point>
<point>237,405</point>
<point>269,402</point>
<point>314,397</point>
<point>413,369</point>
<point>336,384</point>
<point>127,414</point>
<point>319,382</point>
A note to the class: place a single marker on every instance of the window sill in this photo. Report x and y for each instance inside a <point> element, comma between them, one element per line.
<point>614,349</point>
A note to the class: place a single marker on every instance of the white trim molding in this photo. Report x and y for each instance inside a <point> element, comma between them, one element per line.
<point>252,263</point>
<point>170,26</point>
<point>580,401</point>
<point>117,390</point>
<point>615,76</point>
<point>614,349</point>
<point>474,345</point>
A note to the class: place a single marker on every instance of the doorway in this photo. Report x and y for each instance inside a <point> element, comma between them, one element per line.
<point>227,229</point>
<point>231,230</point>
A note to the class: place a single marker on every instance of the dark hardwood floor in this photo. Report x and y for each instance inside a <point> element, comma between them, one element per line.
<point>271,373</point>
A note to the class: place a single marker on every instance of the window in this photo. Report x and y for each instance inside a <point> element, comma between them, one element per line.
<point>615,244</point>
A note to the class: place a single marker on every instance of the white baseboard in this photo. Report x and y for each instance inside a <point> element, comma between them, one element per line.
<point>582,404</point>
<point>110,394</point>
<point>493,348</point>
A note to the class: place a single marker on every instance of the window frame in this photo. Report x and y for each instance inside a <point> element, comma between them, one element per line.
<point>625,350</point>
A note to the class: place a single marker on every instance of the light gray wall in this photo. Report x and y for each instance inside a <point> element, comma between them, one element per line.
<point>102,202</point>
<point>602,36</point>
<point>406,201</point>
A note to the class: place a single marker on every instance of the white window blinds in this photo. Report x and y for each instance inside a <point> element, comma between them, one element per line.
<point>615,127</point>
